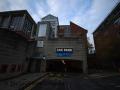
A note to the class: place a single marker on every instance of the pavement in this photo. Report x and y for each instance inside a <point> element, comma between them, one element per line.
<point>21,82</point>
<point>63,81</point>
<point>76,81</point>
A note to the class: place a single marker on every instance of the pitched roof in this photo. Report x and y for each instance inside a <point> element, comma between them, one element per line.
<point>76,28</point>
<point>49,15</point>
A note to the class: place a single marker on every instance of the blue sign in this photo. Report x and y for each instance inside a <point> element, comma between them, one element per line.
<point>64,52</point>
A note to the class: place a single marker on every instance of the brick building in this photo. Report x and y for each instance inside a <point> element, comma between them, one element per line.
<point>107,40</point>
<point>17,31</point>
<point>69,48</point>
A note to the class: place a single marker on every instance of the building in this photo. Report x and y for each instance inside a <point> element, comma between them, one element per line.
<point>53,21</point>
<point>107,40</point>
<point>67,51</point>
<point>17,32</point>
<point>44,31</point>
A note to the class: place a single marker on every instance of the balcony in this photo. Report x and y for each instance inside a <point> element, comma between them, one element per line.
<point>19,22</point>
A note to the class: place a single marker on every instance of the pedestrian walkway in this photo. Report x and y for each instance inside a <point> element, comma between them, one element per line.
<point>21,82</point>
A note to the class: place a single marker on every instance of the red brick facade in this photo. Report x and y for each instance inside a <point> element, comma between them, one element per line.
<point>107,41</point>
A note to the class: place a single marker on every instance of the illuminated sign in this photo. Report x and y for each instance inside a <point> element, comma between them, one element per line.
<point>64,52</point>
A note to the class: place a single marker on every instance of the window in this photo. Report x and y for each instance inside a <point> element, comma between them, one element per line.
<point>13,68</point>
<point>4,68</point>
<point>39,43</point>
<point>16,22</point>
<point>42,30</point>
<point>4,22</point>
<point>27,25</point>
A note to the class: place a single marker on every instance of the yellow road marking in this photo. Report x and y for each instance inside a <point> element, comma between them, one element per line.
<point>34,84</point>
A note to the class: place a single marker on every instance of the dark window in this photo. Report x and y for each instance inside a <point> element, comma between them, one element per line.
<point>4,22</point>
<point>13,68</point>
<point>27,26</point>
<point>4,68</point>
<point>22,67</point>
<point>16,22</point>
<point>19,68</point>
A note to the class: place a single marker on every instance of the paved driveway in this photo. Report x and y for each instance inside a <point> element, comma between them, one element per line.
<point>79,82</point>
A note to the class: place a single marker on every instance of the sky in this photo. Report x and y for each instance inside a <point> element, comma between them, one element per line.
<point>86,13</point>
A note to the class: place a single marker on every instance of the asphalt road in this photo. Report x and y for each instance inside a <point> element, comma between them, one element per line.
<point>78,82</point>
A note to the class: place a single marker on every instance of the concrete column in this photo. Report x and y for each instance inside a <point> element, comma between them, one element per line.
<point>0,67</point>
<point>9,18</point>
<point>84,66</point>
<point>25,66</point>
<point>32,31</point>
<point>16,68</point>
<point>33,66</point>
<point>43,66</point>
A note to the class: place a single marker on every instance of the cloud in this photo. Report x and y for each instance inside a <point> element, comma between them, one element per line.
<point>92,18</point>
<point>94,15</point>
<point>86,13</point>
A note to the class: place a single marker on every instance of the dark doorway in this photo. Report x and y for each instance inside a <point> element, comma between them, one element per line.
<point>68,66</point>
<point>55,66</point>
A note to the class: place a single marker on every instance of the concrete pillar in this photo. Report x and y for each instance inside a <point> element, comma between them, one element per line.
<point>33,66</point>
<point>0,67</point>
<point>9,18</point>
<point>16,69</point>
<point>32,31</point>
<point>43,66</point>
<point>84,66</point>
<point>25,66</point>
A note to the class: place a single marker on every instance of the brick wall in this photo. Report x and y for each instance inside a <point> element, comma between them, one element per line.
<point>105,41</point>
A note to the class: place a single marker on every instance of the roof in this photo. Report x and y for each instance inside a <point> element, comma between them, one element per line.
<point>72,30</point>
<point>76,28</point>
<point>69,26</point>
<point>49,15</point>
<point>107,20</point>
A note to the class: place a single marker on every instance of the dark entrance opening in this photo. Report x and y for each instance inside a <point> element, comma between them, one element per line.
<point>71,66</point>
<point>55,66</point>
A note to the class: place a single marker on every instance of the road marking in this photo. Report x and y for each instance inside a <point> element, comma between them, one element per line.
<point>34,84</point>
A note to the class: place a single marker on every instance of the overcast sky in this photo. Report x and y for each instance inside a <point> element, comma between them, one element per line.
<point>86,13</point>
